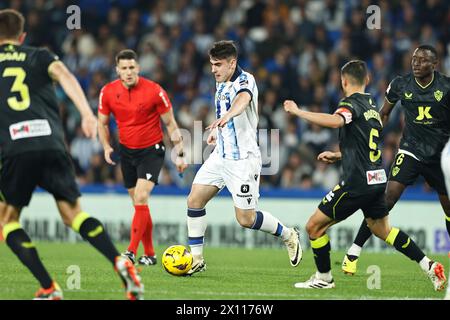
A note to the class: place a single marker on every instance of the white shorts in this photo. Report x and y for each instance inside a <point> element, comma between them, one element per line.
<point>445,164</point>
<point>241,177</point>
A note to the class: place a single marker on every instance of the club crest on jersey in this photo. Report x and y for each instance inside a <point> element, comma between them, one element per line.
<point>395,171</point>
<point>408,95</point>
<point>438,94</point>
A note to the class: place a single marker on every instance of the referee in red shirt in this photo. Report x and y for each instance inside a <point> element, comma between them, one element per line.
<point>138,104</point>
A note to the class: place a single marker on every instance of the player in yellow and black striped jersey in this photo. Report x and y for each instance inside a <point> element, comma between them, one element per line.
<point>33,153</point>
<point>364,180</point>
<point>424,96</point>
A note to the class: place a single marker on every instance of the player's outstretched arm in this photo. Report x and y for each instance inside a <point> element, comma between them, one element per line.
<point>321,119</point>
<point>175,136</point>
<point>385,111</point>
<point>59,72</point>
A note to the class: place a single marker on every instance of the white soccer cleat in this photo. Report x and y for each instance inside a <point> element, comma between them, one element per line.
<point>436,274</point>
<point>198,265</point>
<point>132,281</point>
<point>294,247</point>
<point>315,283</point>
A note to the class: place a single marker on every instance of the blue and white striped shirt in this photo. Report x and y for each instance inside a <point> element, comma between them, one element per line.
<point>238,137</point>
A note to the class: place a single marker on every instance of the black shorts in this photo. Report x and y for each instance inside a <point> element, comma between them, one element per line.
<point>406,169</point>
<point>141,164</point>
<point>339,204</point>
<point>51,170</point>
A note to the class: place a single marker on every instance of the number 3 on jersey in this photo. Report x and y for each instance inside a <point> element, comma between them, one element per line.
<point>375,154</point>
<point>18,86</point>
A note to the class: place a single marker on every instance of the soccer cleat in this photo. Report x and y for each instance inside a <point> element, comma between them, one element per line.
<point>436,274</point>
<point>52,293</point>
<point>130,256</point>
<point>198,265</point>
<point>348,266</point>
<point>147,260</point>
<point>127,272</point>
<point>294,247</point>
<point>315,283</point>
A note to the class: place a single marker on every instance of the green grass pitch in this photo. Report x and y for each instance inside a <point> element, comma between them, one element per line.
<point>233,273</point>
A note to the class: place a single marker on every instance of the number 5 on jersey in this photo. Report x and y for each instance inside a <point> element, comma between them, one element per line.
<point>18,86</point>
<point>375,154</point>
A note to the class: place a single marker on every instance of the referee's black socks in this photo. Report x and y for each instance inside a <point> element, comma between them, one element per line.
<point>20,243</point>
<point>93,232</point>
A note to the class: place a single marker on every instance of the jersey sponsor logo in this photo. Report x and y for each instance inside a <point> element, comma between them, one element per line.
<point>249,200</point>
<point>395,171</point>
<point>30,129</point>
<point>424,112</point>
<point>148,176</point>
<point>408,95</point>
<point>376,176</point>
<point>438,94</point>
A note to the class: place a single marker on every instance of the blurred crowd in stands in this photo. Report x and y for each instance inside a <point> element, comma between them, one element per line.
<point>295,49</point>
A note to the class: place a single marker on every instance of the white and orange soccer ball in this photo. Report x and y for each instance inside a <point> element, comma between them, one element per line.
<point>177,260</point>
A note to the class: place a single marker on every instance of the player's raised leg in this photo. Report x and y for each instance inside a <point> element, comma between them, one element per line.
<point>266,222</point>
<point>394,191</point>
<point>196,221</point>
<point>93,231</point>
<point>404,244</point>
<point>316,228</point>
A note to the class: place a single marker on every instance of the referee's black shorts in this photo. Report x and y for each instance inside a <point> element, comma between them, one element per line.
<point>50,169</point>
<point>143,163</point>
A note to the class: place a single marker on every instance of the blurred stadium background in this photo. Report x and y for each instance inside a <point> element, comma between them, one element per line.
<point>295,49</point>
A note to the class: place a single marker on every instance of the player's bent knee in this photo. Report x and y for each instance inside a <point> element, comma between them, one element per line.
<point>244,220</point>
<point>313,230</point>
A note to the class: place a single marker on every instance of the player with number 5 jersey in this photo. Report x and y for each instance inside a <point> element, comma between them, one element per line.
<point>363,182</point>
<point>424,96</point>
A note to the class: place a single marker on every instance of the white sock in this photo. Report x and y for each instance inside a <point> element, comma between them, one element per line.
<point>196,223</point>
<point>266,222</point>
<point>324,276</point>
<point>354,250</point>
<point>425,264</point>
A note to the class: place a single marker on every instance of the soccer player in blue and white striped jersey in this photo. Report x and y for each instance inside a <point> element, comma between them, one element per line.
<point>236,159</point>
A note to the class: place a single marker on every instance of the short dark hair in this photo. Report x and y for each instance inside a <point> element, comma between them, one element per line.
<point>429,48</point>
<point>223,50</point>
<point>11,24</point>
<point>357,70</point>
<point>126,54</point>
